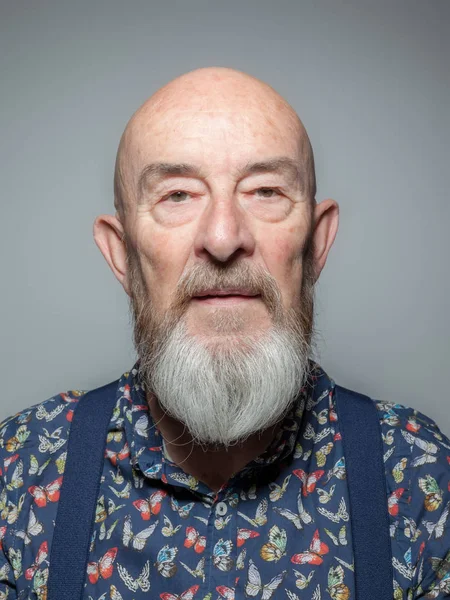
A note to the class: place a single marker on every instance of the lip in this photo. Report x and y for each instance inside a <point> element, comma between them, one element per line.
<point>223,300</point>
<point>227,292</point>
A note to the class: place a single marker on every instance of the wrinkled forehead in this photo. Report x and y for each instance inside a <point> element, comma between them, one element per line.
<point>222,137</point>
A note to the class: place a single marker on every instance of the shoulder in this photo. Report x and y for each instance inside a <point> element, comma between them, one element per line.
<point>33,438</point>
<point>417,468</point>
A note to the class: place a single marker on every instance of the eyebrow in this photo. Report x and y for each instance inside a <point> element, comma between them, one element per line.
<point>154,172</point>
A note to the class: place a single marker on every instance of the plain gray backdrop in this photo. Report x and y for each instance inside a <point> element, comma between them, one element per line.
<point>369,79</point>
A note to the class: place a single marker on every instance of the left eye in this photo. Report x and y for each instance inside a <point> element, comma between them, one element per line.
<point>267,192</point>
<point>178,196</point>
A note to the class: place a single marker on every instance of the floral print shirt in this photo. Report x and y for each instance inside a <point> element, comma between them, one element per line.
<point>280,528</point>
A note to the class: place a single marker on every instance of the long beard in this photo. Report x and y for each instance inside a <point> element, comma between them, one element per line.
<point>243,384</point>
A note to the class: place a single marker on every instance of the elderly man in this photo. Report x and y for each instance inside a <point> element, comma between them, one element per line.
<point>222,469</point>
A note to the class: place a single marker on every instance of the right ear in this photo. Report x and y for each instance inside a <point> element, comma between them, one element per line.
<point>109,237</point>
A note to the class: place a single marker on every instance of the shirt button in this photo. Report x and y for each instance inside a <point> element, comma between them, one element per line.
<point>221,509</point>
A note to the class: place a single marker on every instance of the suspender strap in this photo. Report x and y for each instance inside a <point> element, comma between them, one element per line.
<point>77,503</point>
<point>363,450</point>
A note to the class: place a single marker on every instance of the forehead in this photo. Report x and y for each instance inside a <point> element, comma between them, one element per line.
<point>222,138</point>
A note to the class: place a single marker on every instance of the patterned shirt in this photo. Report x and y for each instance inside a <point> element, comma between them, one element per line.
<point>280,528</point>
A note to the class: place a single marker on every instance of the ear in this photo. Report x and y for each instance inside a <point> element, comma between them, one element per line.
<point>108,235</point>
<point>326,221</point>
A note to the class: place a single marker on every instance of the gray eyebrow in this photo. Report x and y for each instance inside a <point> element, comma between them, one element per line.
<point>155,171</point>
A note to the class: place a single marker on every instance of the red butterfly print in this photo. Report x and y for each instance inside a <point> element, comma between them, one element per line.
<point>41,556</point>
<point>115,456</point>
<point>226,592</point>
<point>8,461</point>
<point>48,493</point>
<point>245,534</point>
<point>313,556</point>
<point>187,595</point>
<point>150,506</point>
<point>103,567</point>
<point>193,538</point>
<point>393,501</point>
<point>309,480</point>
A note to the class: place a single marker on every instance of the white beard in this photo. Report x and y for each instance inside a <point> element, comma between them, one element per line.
<point>226,393</point>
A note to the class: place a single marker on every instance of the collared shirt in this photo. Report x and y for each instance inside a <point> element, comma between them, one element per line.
<point>280,528</point>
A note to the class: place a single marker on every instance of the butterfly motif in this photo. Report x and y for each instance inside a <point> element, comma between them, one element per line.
<point>34,528</point>
<point>104,567</point>
<point>137,540</point>
<point>253,585</point>
<point>47,445</point>
<point>429,448</point>
<point>341,539</point>
<point>40,558</point>
<point>10,511</point>
<point>309,480</point>
<point>322,453</point>
<point>325,496</point>
<point>9,461</point>
<point>222,522</point>
<point>187,595</point>
<point>276,546</point>
<point>40,583</point>
<point>185,479</point>
<point>393,501</point>
<point>314,555</point>
<point>411,530</point>
<point>153,471</point>
<point>61,463</point>
<point>322,416</point>
<point>199,570</point>
<point>302,581</point>
<point>336,586</point>
<point>433,494</point>
<point>296,519</point>
<point>152,506</point>
<point>397,471</point>
<point>141,583</point>
<point>105,534</point>
<point>260,516</point>
<point>15,558</point>
<point>34,468</point>
<point>340,515</point>
<point>115,436</point>
<point>277,491</point>
<point>117,476</point>
<point>240,561</point>
<point>125,493</point>
<point>168,530</point>
<point>49,493</point>
<point>437,529</point>
<point>337,471</point>
<point>245,534</point>
<point>116,456</point>
<point>226,592</point>
<point>42,412</point>
<point>250,494</point>
<point>16,480</point>
<point>17,441</point>
<point>194,539</point>
<point>183,511</point>
<point>388,437</point>
<point>141,426</point>
<point>165,561</point>
<point>221,555</point>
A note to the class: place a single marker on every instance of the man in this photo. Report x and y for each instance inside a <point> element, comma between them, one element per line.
<point>224,474</point>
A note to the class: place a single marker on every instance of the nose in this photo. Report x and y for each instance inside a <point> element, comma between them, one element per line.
<point>223,231</point>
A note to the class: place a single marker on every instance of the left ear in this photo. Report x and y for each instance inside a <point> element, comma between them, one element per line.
<point>326,221</point>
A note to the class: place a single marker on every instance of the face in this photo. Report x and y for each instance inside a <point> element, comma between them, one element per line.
<point>220,206</point>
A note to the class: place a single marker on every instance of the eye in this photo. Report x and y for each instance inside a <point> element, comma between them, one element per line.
<point>267,192</point>
<point>177,196</point>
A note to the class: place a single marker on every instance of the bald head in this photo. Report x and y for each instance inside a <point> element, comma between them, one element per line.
<point>216,93</point>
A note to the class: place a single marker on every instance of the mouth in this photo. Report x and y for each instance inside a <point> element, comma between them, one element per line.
<point>225,299</point>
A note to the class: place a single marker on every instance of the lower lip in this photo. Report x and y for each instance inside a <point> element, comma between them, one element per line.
<point>224,300</point>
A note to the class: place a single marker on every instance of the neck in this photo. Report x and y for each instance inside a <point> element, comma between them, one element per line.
<point>211,465</point>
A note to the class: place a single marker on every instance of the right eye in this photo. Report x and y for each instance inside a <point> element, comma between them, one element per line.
<point>177,196</point>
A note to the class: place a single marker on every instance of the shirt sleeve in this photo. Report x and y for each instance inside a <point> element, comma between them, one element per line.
<point>7,581</point>
<point>425,524</point>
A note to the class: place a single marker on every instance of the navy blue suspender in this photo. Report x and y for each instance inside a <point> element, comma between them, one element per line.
<point>361,437</point>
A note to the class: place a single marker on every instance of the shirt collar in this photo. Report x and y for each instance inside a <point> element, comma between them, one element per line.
<point>145,441</point>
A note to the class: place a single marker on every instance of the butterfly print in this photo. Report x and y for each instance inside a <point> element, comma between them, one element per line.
<point>102,568</point>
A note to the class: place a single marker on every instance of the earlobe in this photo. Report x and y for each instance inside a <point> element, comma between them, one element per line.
<point>109,237</point>
<point>326,221</point>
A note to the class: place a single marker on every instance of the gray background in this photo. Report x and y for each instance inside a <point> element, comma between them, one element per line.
<point>370,79</point>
